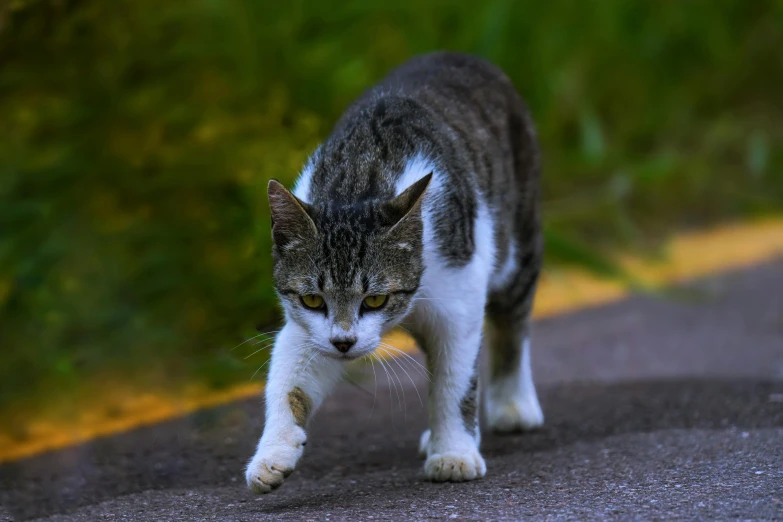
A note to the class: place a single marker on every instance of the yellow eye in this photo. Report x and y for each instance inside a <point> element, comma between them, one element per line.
<point>373,302</point>
<point>312,301</point>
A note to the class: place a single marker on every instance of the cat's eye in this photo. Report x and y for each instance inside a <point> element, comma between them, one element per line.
<point>312,301</point>
<point>374,302</point>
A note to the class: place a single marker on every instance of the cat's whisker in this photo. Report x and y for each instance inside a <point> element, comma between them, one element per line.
<point>278,330</point>
<point>393,383</point>
<point>265,363</point>
<point>269,344</point>
<point>259,369</point>
<point>268,338</point>
<point>246,341</point>
<point>388,383</point>
<point>397,361</point>
<point>394,373</point>
<point>375,382</point>
<point>402,388</point>
<point>419,367</point>
<point>265,334</point>
<point>375,356</point>
<point>416,366</point>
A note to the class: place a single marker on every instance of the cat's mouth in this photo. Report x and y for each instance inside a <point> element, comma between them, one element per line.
<point>346,357</point>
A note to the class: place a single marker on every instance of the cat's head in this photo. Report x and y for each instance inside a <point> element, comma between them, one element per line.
<point>347,274</point>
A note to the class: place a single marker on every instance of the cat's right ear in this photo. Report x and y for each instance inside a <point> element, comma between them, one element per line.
<point>290,219</point>
<point>406,206</point>
<point>404,212</point>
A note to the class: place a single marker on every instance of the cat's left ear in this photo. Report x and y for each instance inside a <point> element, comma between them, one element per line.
<point>404,211</point>
<point>290,220</point>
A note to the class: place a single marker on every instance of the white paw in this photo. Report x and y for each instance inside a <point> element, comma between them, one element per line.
<point>515,414</point>
<point>271,465</point>
<point>455,467</point>
<point>424,443</point>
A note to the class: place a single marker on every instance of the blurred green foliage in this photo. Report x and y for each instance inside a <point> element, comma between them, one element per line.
<point>138,136</point>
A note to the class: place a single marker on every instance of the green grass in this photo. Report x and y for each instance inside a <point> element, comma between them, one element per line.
<point>138,137</point>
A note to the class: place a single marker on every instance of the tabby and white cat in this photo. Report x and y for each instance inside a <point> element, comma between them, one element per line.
<point>421,209</point>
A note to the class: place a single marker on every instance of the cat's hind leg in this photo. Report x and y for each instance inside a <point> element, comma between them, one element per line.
<point>511,400</point>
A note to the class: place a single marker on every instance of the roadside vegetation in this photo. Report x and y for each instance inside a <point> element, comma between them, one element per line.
<point>138,137</point>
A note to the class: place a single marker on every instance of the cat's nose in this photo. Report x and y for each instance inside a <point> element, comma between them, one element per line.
<point>343,345</point>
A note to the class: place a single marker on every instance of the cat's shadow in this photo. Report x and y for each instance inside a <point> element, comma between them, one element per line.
<point>593,410</point>
<point>586,412</point>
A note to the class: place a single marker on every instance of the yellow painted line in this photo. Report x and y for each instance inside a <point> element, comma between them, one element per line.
<point>100,418</point>
<point>120,412</point>
<point>686,257</point>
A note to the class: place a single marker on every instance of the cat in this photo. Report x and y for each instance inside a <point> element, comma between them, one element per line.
<point>421,209</point>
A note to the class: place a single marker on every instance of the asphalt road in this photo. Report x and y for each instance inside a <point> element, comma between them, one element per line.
<point>667,407</point>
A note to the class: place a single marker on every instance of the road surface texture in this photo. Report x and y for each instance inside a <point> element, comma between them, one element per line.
<point>667,407</point>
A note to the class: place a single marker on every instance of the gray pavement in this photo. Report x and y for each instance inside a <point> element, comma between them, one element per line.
<point>667,407</point>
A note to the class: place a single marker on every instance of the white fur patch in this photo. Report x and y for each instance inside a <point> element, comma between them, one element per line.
<point>302,186</point>
<point>416,168</point>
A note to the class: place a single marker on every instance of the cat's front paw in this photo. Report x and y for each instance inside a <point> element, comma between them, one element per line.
<point>455,467</point>
<point>272,464</point>
<point>515,414</point>
<point>268,471</point>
